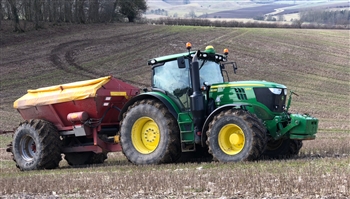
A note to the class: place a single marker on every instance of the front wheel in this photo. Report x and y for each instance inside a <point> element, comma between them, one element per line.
<point>236,135</point>
<point>36,145</point>
<point>149,134</point>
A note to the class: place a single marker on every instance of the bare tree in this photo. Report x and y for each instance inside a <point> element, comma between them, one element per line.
<point>68,16</point>
<point>8,10</point>
<point>1,13</point>
<point>53,10</point>
<point>27,10</point>
<point>192,14</point>
<point>280,18</point>
<point>107,12</point>
<point>132,9</point>
<point>14,11</point>
<point>38,14</point>
<point>93,11</point>
<point>61,11</point>
<point>79,11</point>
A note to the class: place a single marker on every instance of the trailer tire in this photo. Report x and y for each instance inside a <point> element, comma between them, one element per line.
<point>149,134</point>
<point>81,158</point>
<point>282,148</point>
<point>236,135</point>
<point>36,145</point>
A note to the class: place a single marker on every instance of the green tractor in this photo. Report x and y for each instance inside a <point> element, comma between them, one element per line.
<point>191,109</point>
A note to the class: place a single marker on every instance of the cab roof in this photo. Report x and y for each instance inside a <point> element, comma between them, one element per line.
<point>203,55</point>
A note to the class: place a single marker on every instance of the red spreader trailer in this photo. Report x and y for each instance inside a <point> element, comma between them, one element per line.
<point>78,119</point>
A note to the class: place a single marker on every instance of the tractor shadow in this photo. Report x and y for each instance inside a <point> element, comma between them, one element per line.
<point>121,161</point>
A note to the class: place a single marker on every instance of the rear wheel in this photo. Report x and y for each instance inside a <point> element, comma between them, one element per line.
<point>36,145</point>
<point>236,135</point>
<point>149,134</point>
<point>282,148</point>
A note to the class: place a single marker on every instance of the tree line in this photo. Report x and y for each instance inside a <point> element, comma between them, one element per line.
<point>70,11</point>
<point>336,17</point>
<point>252,24</point>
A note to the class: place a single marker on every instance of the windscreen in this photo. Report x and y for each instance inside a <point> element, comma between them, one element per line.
<point>210,72</point>
<point>169,77</point>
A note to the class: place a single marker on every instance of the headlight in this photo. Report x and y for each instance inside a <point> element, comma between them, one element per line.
<point>276,91</point>
<point>285,91</point>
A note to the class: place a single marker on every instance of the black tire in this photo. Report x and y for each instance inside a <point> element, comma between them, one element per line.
<point>36,145</point>
<point>236,135</point>
<point>294,147</point>
<point>81,158</point>
<point>282,148</point>
<point>149,134</point>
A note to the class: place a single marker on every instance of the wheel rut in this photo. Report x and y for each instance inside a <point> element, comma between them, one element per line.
<point>65,55</point>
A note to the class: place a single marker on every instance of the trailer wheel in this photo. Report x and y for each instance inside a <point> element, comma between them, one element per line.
<point>81,158</point>
<point>36,145</point>
<point>282,148</point>
<point>149,134</point>
<point>236,135</point>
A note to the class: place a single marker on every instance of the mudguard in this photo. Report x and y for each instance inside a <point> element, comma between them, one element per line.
<point>167,101</point>
<point>216,111</point>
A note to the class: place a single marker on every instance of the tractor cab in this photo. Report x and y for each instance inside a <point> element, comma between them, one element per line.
<point>171,74</point>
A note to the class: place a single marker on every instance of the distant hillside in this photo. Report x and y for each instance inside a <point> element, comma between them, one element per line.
<point>176,2</point>
<point>178,8</point>
<point>233,8</point>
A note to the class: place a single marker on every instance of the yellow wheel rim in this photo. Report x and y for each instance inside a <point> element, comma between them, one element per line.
<point>145,135</point>
<point>231,139</point>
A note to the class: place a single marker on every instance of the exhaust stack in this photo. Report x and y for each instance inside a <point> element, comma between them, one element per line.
<point>196,99</point>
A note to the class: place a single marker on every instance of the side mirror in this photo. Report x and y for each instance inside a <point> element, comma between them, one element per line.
<point>181,62</point>
<point>234,66</point>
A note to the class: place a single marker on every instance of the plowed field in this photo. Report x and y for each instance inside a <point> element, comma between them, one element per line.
<point>312,63</point>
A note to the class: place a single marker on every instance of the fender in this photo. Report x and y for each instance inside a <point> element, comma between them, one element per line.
<point>215,112</point>
<point>167,101</point>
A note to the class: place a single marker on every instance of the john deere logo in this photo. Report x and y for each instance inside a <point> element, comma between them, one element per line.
<point>282,98</point>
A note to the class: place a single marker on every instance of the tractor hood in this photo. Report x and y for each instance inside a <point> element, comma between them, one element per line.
<point>267,98</point>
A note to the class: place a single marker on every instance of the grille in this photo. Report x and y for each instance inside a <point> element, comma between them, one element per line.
<point>241,94</point>
<point>275,103</point>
